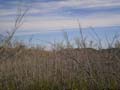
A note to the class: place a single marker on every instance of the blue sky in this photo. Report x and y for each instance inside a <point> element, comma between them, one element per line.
<point>47,18</point>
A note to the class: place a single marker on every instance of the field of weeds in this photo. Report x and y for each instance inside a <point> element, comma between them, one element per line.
<point>87,57</point>
<point>64,67</point>
<point>24,68</point>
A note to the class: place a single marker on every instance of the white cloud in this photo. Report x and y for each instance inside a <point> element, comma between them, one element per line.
<point>76,4</point>
<point>44,24</point>
<point>46,7</point>
<point>58,22</point>
<point>4,12</point>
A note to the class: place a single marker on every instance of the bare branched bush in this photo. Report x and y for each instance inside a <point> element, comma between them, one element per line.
<point>17,24</point>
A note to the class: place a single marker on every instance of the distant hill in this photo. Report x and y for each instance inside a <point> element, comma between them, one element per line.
<point>1,38</point>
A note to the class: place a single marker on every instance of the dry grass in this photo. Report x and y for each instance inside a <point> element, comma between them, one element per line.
<point>66,69</point>
<point>62,68</point>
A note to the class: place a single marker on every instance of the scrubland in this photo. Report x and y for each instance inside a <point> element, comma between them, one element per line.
<point>62,68</point>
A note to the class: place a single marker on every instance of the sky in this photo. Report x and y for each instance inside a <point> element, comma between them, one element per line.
<point>46,19</point>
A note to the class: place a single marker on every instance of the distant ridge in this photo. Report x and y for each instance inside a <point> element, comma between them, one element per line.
<point>1,38</point>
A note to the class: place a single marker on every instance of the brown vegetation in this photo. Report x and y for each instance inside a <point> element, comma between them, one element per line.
<point>66,69</point>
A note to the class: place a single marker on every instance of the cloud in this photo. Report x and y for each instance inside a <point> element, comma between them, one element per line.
<point>54,15</point>
<point>6,12</point>
<point>77,4</point>
<point>44,24</point>
<point>57,24</point>
<point>54,6</point>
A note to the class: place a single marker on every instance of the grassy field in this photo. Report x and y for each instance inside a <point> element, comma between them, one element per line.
<point>64,67</point>
<point>24,68</point>
<point>86,65</point>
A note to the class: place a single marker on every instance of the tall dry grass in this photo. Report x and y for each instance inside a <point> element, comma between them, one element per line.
<point>63,68</point>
